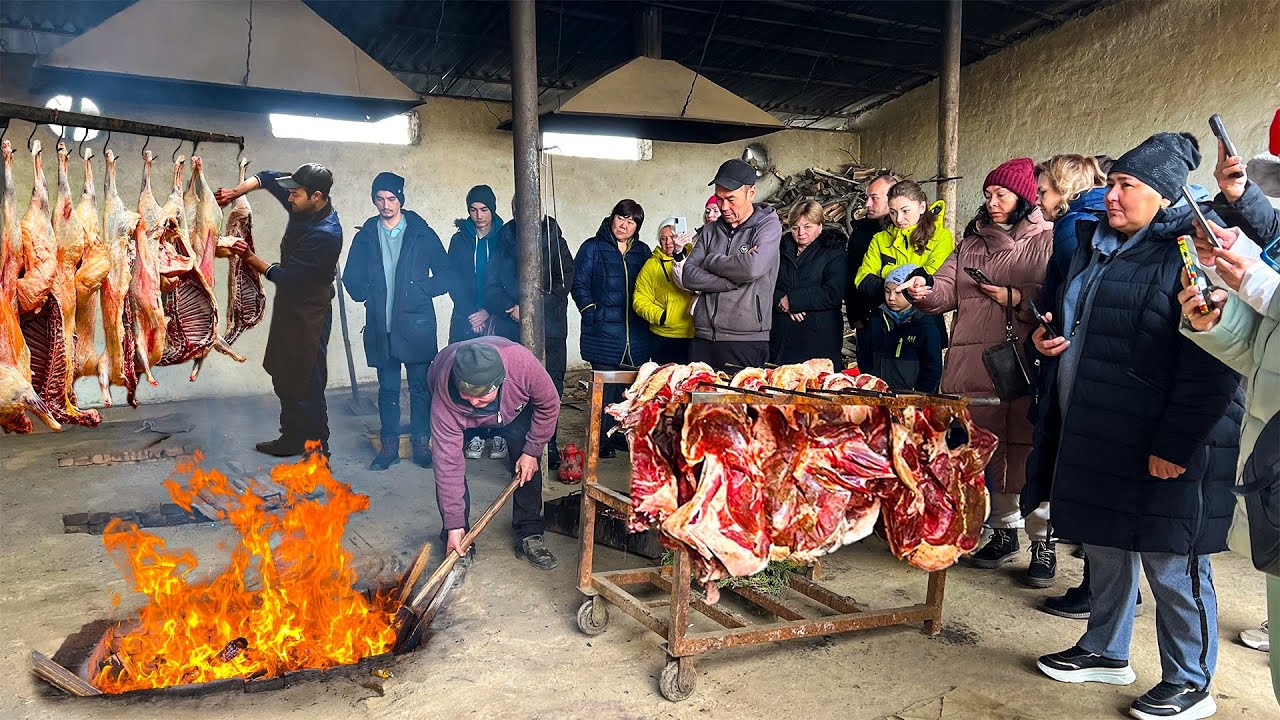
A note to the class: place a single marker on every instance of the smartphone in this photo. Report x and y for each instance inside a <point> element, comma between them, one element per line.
<point>1193,271</point>
<point>1049,332</point>
<point>682,225</point>
<point>979,276</point>
<point>1204,221</point>
<point>1220,132</point>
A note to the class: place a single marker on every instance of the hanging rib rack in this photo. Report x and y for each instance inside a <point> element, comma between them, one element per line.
<point>49,116</point>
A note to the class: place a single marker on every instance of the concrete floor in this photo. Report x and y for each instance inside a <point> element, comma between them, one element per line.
<point>507,644</point>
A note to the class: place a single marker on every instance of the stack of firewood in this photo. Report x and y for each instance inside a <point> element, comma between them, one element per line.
<point>843,194</point>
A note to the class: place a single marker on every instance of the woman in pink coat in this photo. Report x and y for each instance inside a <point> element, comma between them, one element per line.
<point>1010,242</point>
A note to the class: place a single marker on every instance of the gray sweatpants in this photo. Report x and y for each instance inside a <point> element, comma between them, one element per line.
<point>1186,610</point>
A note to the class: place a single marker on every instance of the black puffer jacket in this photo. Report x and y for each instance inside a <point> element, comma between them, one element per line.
<point>502,284</point>
<point>1140,389</point>
<point>814,284</point>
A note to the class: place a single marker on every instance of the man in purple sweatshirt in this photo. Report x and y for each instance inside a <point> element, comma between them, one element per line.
<point>492,382</point>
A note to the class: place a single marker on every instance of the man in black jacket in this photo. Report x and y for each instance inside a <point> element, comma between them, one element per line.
<point>502,298</point>
<point>857,306</point>
<point>301,315</point>
<point>397,267</point>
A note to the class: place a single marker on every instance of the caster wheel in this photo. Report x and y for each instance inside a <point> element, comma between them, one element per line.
<point>675,685</point>
<point>586,618</point>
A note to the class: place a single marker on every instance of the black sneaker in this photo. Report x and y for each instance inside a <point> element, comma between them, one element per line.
<point>1044,565</point>
<point>535,551</point>
<point>1000,549</point>
<point>1075,665</point>
<point>553,455</point>
<point>280,447</point>
<point>422,452</point>
<point>606,450</point>
<point>389,454</point>
<point>1167,700</point>
<point>1074,604</point>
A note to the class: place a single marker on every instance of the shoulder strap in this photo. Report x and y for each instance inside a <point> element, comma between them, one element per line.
<point>1008,315</point>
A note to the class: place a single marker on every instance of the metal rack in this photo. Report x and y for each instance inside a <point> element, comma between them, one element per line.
<point>670,616</point>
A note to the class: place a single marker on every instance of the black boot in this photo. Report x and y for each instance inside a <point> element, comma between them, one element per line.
<point>536,552</point>
<point>389,454</point>
<point>553,454</point>
<point>422,452</point>
<point>1000,549</point>
<point>1044,565</point>
<point>1074,604</point>
<point>281,447</point>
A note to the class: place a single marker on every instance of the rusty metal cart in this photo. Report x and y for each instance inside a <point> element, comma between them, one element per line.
<point>669,617</point>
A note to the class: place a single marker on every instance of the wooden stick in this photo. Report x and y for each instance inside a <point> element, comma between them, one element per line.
<point>415,572</point>
<point>60,677</point>
<point>467,540</point>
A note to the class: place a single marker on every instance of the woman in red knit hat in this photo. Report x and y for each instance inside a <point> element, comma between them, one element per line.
<point>1010,241</point>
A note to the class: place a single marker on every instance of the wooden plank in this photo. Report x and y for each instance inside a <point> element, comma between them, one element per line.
<point>60,677</point>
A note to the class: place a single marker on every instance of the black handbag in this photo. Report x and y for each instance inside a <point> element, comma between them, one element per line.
<point>1004,362</point>
<point>1260,488</point>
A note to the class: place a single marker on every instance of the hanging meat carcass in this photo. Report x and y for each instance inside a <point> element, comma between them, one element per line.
<point>753,483</point>
<point>121,229</point>
<point>205,219</point>
<point>246,299</point>
<point>70,231</point>
<point>17,395</point>
<point>39,309</point>
<point>190,307</point>
<point>144,288</point>
<point>95,263</point>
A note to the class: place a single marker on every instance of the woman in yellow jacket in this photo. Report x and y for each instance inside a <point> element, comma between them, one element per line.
<point>916,237</point>
<point>663,303</point>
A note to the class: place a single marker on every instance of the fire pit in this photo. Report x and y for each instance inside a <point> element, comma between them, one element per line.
<point>284,608</point>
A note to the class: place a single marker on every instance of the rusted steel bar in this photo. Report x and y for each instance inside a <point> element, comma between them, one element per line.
<point>767,602</point>
<point>698,643</point>
<point>933,599</point>
<point>50,116</point>
<point>608,496</point>
<point>678,627</point>
<point>814,591</point>
<point>949,110</point>
<point>721,616</point>
<point>631,605</point>
<point>741,398</point>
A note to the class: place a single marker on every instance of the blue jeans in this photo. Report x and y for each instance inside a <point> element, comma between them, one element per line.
<point>1186,610</point>
<point>419,399</point>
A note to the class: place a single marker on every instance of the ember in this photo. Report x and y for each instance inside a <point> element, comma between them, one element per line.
<point>285,600</point>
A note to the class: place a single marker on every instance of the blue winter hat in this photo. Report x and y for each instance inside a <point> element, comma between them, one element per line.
<point>900,274</point>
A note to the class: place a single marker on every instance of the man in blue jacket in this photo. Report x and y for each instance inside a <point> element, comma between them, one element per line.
<point>397,267</point>
<point>302,314</point>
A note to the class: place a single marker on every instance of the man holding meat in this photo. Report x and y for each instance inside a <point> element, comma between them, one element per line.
<point>301,316</point>
<point>492,382</point>
<point>733,267</point>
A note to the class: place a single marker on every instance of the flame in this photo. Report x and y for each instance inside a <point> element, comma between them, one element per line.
<point>285,600</point>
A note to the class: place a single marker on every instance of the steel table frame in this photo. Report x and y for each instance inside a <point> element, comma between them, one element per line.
<point>669,617</point>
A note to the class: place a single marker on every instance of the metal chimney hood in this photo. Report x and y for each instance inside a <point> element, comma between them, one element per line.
<point>189,52</point>
<point>646,98</point>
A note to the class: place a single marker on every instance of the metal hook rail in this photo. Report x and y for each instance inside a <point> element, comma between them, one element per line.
<point>50,116</point>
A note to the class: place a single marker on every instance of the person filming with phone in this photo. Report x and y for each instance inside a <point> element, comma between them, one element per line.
<point>661,301</point>
<point>1149,426</point>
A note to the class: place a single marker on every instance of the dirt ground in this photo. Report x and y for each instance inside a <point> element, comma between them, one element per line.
<point>507,644</point>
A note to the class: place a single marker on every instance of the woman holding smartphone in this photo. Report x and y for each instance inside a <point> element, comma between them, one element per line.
<point>1009,243</point>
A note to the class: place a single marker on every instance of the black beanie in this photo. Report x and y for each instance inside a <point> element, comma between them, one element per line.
<point>1162,161</point>
<point>482,194</point>
<point>477,368</point>
<point>389,182</point>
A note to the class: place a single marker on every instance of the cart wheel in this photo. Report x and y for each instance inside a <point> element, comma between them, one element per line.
<point>587,622</point>
<point>676,685</point>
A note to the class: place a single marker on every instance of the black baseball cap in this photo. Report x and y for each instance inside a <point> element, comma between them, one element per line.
<point>312,177</point>
<point>733,174</point>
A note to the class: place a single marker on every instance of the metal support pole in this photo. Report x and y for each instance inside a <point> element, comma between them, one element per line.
<point>949,111</point>
<point>525,141</point>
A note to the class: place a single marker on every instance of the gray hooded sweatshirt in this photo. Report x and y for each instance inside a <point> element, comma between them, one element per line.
<point>736,283</point>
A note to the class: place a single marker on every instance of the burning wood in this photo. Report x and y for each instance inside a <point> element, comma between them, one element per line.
<point>285,601</point>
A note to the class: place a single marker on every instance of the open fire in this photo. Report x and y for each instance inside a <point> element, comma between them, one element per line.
<point>285,601</point>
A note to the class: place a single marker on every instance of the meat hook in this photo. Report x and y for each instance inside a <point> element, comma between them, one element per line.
<point>80,147</point>
<point>32,136</point>
<point>106,143</point>
<point>4,129</point>
<point>174,157</point>
<point>144,146</point>
<point>195,147</point>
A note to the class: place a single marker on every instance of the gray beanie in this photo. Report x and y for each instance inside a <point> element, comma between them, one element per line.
<point>477,368</point>
<point>1162,161</point>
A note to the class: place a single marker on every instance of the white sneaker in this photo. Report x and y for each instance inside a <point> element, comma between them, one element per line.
<point>1257,638</point>
<point>475,448</point>
<point>497,448</point>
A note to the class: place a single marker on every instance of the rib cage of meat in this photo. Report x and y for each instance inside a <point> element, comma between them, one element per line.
<point>742,485</point>
<point>53,377</point>
<point>39,248</point>
<point>246,299</point>
<point>190,308</point>
<point>121,229</point>
<point>144,288</point>
<point>17,395</point>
